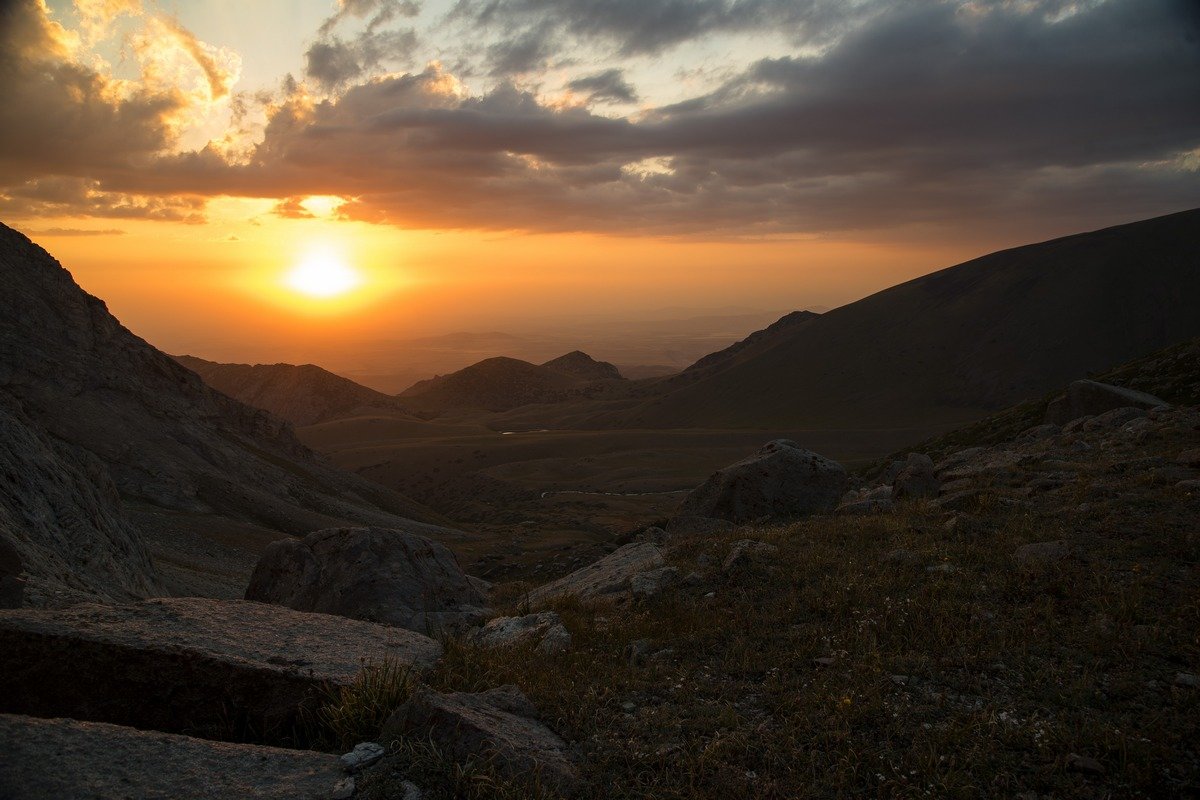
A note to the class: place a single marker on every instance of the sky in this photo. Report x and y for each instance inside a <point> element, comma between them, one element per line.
<point>476,164</point>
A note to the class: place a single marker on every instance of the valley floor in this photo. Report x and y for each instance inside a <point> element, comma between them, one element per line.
<point>915,653</point>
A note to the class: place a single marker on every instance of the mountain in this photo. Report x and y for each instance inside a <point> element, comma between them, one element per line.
<point>302,395</point>
<point>581,365</point>
<point>96,424</point>
<point>501,384</point>
<point>955,344</point>
<point>782,326</point>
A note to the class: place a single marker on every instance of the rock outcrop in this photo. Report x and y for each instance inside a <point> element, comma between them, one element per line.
<point>544,632</point>
<point>213,668</point>
<point>496,727</point>
<point>61,522</point>
<point>604,579</point>
<point>389,576</point>
<point>781,481</point>
<point>916,478</point>
<point>65,758</point>
<point>1088,398</point>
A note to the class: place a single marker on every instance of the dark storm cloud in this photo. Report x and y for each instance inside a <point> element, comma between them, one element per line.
<point>951,115</point>
<point>609,86</point>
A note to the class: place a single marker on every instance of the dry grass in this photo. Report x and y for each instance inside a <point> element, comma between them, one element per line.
<point>976,682</point>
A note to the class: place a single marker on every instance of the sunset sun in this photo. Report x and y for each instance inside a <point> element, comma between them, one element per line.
<point>322,274</point>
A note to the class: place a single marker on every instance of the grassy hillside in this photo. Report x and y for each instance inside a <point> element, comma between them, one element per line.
<point>952,345</point>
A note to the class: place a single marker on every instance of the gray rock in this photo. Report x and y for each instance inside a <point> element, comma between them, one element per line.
<point>637,651</point>
<point>744,552</point>
<point>182,664</point>
<point>556,640</point>
<point>693,525</point>
<point>1114,419</point>
<point>1085,764</point>
<point>1187,680</point>
<point>652,583</point>
<point>902,557</point>
<point>344,789</point>
<point>866,506</point>
<point>1088,398</point>
<point>606,578</point>
<point>496,727</point>
<point>917,479</point>
<point>376,574</point>
<point>64,758</point>
<point>1042,552</point>
<point>531,630</point>
<point>1038,433</point>
<point>61,522</point>
<point>362,756</point>
<point>782,480</point>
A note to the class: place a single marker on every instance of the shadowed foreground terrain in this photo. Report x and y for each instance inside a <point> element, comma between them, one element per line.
<point>928,651</point>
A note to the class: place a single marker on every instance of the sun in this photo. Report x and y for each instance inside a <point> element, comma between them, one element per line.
<point>322,274</point>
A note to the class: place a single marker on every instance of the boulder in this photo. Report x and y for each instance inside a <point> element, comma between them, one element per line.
<point>379,575</point>
<point>917,479</point>
<point>606,578</point>
<point>65,758</point>
<point>496,727</point>
<point>745,552</point>
<point>1086,398</point>
<point>653,582</point>
<point>544,632</point>
<point>866,506</point>
<point>212,668</point>
<point>782,480</point>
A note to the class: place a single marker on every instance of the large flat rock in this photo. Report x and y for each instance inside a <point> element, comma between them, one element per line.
<point>606,578</point>
<point>70,760</point>
<point>222,669</point>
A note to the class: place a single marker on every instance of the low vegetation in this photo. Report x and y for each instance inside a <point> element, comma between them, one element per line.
<point>887,656</point>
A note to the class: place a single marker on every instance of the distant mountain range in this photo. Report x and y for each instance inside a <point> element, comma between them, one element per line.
<point>950,346</point>
<point>302,395</point>
<point>954,344</point>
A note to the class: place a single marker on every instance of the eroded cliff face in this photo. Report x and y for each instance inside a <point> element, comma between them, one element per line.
<point>93,416</point>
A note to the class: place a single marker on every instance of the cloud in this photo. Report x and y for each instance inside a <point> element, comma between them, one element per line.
<point>47,233</point>
<point>332,61</point>
<point>380,11</point>
<point>628,28</point>
<point>79,197</point>
<point>609,86</point>
<point>944,115</point>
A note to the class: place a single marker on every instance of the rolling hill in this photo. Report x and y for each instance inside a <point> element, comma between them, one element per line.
<point>302,394</point>
<point>501,384</point>
<point>955,344</point>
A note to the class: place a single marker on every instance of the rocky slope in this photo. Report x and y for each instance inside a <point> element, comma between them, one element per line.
<point>302,394</point>
<point>108,419</point>
<point>957,343</point>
